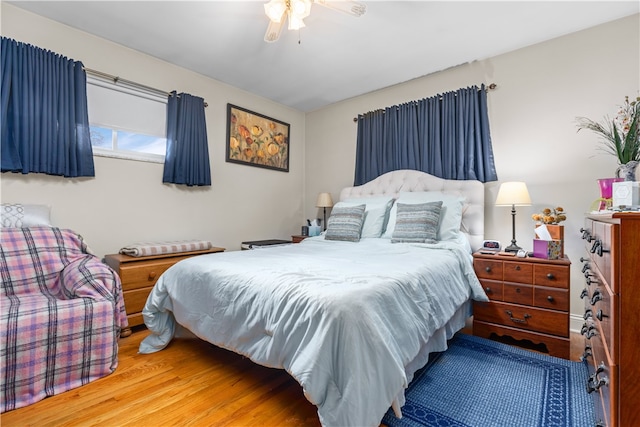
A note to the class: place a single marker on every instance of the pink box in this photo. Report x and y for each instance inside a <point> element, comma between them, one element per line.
<point>547,249</point>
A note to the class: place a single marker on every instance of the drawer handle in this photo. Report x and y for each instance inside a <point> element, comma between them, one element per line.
<point>550,276</point>
<point>517,268</point>
<point>600,315</point>
<point>516,320</point>
<point>487,269</point>
<point>518,290</point>
<point>550,298</point>
<point>587,314</point>
<point>589,281</point>
<point>594,383</point>
<point>152,275</point>
<point>585,267</point>
<point>487,290</point>
<point>586,353</point>
<point>591,332</point>
<point>597,296</point>
<point>584,293</point>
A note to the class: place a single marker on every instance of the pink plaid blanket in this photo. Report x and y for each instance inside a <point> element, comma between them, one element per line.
<point>62,312</point>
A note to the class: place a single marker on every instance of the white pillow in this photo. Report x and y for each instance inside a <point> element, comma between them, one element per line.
<point>16,215</point>
<point>450,217</point>
<point>376,213</point>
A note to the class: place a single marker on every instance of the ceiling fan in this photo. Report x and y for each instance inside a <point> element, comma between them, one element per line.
<point>297,10</point>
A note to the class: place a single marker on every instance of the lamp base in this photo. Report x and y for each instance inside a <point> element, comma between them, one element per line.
<point>512,247</point>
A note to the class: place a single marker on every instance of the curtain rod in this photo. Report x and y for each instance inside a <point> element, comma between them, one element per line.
<point>117,79</point>
<point>491,86</point>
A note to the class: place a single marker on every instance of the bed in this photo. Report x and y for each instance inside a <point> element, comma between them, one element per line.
<point>351,321</point>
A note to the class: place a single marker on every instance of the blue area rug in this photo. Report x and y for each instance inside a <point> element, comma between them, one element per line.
<point>482,383</point>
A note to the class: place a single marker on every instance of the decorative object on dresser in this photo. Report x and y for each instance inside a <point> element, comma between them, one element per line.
<point>620,136</point>
<point>529,300</point>
<point>612,297</point>
<point>324,201</point>
<point>513,194</point>
<point>139,274</point>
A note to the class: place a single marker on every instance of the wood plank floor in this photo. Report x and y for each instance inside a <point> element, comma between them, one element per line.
<point>190,383</point>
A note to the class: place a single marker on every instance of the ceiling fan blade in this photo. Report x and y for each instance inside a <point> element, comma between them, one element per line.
<point>353,8</point>
<point>273,31</point>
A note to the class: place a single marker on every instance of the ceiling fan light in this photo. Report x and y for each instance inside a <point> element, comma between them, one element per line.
<point>300,8</point>
<point>295,23</point>
<point>275,10</point>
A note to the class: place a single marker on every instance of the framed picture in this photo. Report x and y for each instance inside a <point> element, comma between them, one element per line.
<point>257,140</point>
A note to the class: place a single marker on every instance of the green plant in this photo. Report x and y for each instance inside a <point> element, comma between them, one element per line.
<point>620,136</point>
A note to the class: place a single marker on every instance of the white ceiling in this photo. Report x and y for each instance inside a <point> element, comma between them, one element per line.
<point>336,56</point>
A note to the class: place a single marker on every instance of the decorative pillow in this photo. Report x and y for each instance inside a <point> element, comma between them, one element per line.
<point>451,214</point>
<point>16,215</point>
<point>417,223</point>
<point>376,213</point>
<point>345,223</point>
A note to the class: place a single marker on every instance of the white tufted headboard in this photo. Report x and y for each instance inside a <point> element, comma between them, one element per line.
<point>392,183</point>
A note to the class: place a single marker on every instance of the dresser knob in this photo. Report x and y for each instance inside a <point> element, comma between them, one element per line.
<point>550,276</point>
<point>550,298</point>
<point>487,290</point>
<point>600,315</point>
<point>487,269</point>
<point>586,354</point>
<point>152,275</point>
<point>517,268</point>
<point>518,290</point>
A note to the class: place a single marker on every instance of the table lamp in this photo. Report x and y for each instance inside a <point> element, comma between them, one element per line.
<point>324,201</point>
<point>513,194</point>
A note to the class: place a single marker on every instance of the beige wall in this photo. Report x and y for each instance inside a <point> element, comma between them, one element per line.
<point>126,202</point>
<point>541,90</point>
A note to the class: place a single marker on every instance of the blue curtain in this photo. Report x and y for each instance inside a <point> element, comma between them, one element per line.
<point>187,158</point>
<point>446,135</point>
<point>45,124</point>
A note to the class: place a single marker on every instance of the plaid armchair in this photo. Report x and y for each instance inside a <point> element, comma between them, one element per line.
<point>61,315</point>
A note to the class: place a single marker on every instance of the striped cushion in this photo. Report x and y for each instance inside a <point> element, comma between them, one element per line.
<point>345,223</point>
<point>417,223</point>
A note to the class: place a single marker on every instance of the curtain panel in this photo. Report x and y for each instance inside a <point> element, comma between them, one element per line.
<point>187,158</point>
<point>446,135</point>
<point>45,123</point>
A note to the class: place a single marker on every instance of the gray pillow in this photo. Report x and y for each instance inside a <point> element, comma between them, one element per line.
<point>345,223</point>
<point>417,223</point>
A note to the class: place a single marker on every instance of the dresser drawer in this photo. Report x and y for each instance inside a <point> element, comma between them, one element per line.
<point>134,301</point>
<point>555,276</point>
<point>602,259</point>
<point>602,379</point>
<point>520,272</point>
<point>551,298</point>
<point>488,269</point>
<point>523,317</point>
<point>492,288</point>
<point>518,293</point>
<point>602,303</point>
<point>143,274</point>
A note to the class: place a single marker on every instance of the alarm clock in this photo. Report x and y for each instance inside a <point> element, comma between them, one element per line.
<point>490,247</point>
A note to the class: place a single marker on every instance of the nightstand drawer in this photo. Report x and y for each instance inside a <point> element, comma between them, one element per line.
<point>551,275</point>
<point>518,294</point>
<point>523,317</point>
<point>551,298</point>
<point>488,269</point>
<point>492,288</point>
<point>135,300</point>
<point>519,272</point>
<point>141,275</point>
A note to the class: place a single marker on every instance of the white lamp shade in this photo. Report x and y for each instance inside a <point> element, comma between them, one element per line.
<point>513,193</point>
<point>324,200</point>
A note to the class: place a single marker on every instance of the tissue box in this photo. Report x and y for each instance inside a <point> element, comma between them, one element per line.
<point>626,193</point>
<point>314,230</point>
<point>557,233</point>
<point>547,249</point>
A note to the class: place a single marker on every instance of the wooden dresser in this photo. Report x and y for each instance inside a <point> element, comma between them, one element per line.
<point>611,265</point>
<point>529,302</point>
<point>139,274</point>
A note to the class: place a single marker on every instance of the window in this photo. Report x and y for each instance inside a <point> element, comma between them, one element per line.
<point>126,122</point>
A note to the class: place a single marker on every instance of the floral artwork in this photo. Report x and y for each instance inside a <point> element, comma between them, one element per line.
<point>257,140</point>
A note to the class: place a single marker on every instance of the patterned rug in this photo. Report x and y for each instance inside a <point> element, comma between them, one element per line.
<point>482,383</point>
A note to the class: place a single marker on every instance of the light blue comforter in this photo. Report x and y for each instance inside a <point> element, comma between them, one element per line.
<point>344,319</point>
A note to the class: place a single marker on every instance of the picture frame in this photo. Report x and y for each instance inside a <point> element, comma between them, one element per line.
<point>254,139</point>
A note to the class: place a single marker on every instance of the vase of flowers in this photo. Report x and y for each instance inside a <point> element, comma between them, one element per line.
<point>620,136</point>
<point>551,218</point>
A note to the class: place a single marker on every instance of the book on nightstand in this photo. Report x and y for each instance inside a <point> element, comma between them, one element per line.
<point>261,244</point>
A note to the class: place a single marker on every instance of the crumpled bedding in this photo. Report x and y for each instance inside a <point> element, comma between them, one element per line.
<point>344,319</point>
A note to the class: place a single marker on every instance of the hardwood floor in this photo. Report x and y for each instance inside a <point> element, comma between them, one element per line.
<point>190,383</point>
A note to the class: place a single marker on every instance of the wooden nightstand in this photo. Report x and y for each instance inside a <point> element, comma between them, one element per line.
<point>297,238</point>
<point>529,302</point>
<point>139,274</point>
